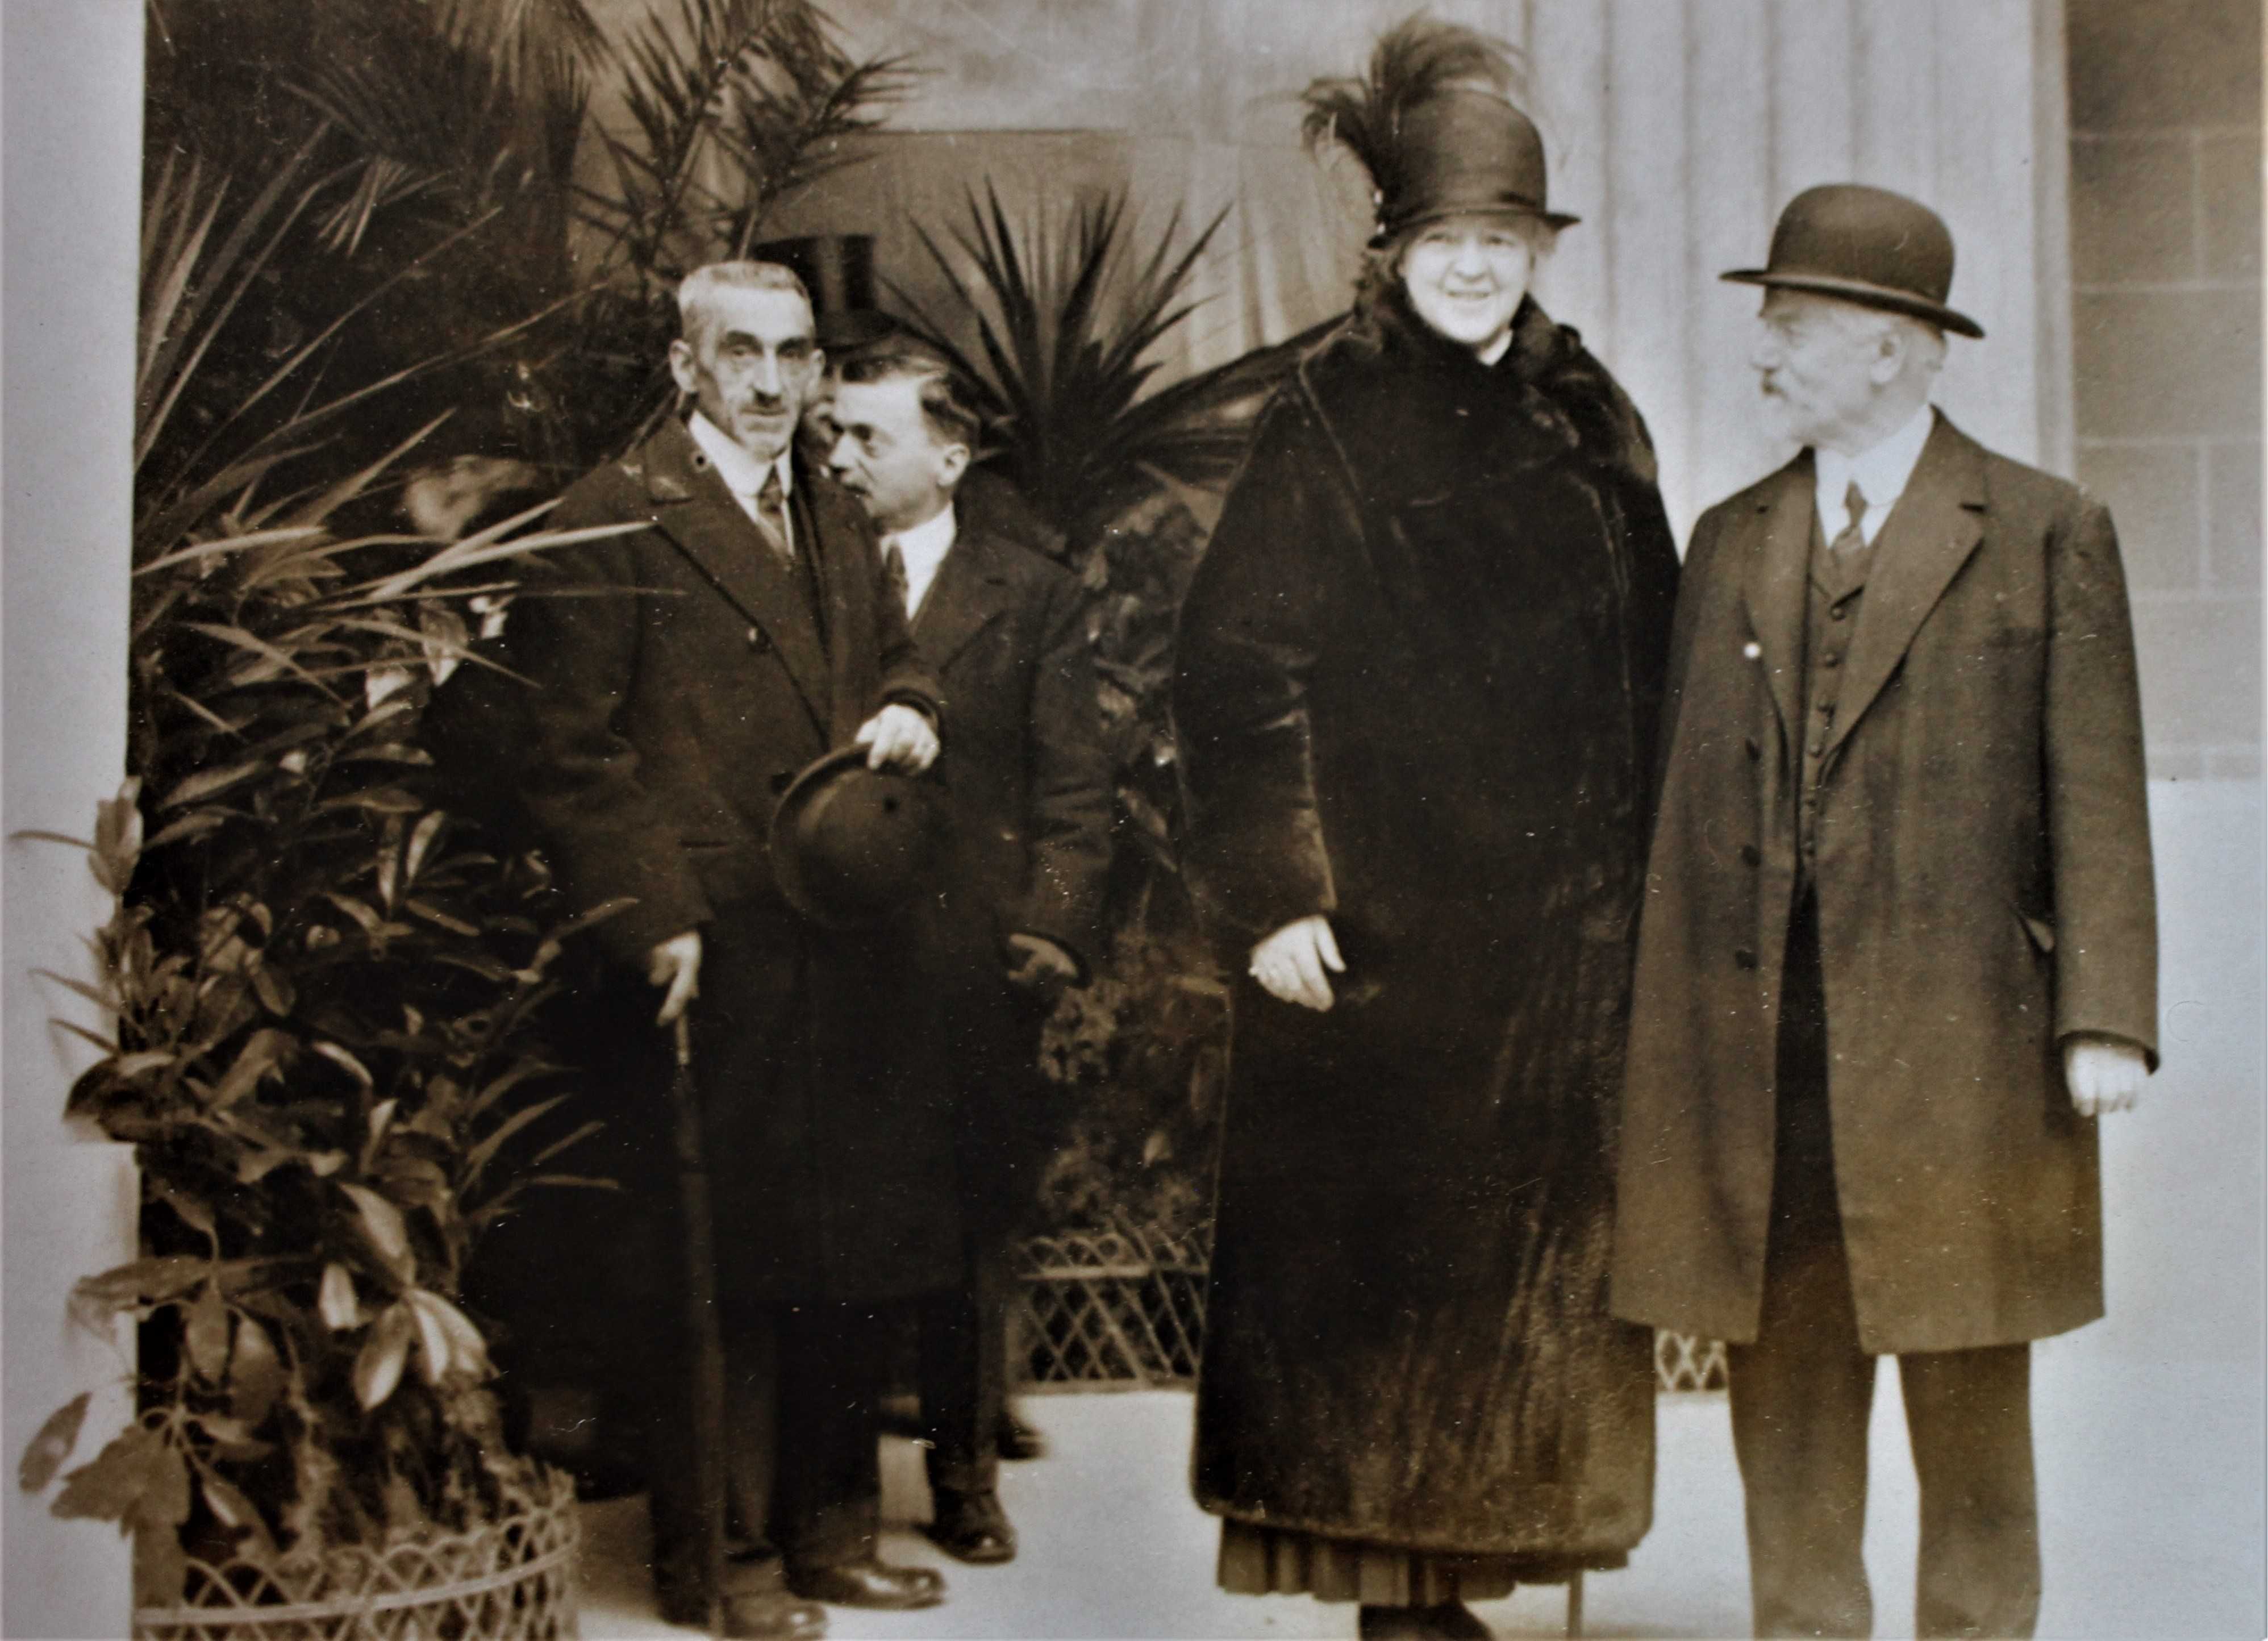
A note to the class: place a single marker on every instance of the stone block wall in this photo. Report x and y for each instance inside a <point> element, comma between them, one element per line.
<point>2166,249</point>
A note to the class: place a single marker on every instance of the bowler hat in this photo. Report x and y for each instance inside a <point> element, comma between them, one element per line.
<point>849,844</point>
<point>1463,152</point>
<point>838,270</point>
<point>1867,245</point>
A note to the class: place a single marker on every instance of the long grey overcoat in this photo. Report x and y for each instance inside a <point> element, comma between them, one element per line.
<point>680,681</point>
<point>1420,666</point>
<point>1984,889</point>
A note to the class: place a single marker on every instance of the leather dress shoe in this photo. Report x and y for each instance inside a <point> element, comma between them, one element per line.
<point>1451,1621</point>
<point>755,1616</point>
<point>971,1527</point>
<point>1018,1440</point>
<point>871,1584</point>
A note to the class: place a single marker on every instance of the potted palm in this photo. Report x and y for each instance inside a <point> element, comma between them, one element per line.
<point>327,986</point>
<point>324,987</point>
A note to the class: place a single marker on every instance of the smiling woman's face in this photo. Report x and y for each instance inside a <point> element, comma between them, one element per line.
<point>1466,276</point>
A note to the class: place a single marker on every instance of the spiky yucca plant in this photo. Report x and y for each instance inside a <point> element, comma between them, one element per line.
<point>1067,316</point>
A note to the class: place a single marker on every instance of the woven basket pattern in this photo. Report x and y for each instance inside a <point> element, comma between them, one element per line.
<point>1124,1310</point>
<point>507,1580</point>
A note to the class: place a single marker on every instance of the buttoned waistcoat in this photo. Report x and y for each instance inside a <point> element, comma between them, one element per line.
<point>1984,886</point>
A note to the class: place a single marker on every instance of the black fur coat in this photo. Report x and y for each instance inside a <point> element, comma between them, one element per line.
<point>1419,674</point>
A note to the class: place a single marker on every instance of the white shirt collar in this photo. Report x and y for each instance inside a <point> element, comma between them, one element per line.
<point>924,547</point>
<point>1881,472</point>
<point>743,473</point>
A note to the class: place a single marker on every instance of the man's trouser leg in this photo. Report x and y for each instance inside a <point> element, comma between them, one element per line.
<point>826,1500</point>
<point>1969,1415</point>
<point>1802,1393</point>
<point>964,1368</point>
<point>751,1399</point>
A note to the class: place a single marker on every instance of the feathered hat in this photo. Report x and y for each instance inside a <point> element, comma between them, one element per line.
<point>1433,126</point>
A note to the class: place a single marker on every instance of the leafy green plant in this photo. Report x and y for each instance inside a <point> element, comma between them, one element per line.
<point>1144,1049</point>
<point>323,987</point>
<point>468,123</point>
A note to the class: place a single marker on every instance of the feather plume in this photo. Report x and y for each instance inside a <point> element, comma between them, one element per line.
<point>1417,59</point>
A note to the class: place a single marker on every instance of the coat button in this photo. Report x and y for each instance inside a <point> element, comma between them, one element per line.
<point>756,639</point>
<point>1751,856</point>
<point>1838,613</point>
<point>1833,658</point>
<point>1745,959</point>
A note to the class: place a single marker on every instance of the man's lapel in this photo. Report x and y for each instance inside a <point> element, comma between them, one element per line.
<point>1928,536</point>
<point>970,590</point>
<point>1779,566</point>
<point>693,507</point>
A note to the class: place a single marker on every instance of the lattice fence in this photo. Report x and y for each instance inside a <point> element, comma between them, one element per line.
<point>1112,1310</point>
<point>1120,1310</point>
<point>509,1580</point>
<point>1681,1362</point>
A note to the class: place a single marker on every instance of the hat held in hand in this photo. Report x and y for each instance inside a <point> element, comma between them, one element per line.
<point>1867,245</point>
<point>851,845</point>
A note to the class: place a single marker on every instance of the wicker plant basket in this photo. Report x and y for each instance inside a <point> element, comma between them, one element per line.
<point>511,1579</point>
<point>1124,1310</point>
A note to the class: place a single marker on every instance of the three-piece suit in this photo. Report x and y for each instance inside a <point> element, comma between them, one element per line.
<point>1029,787</point>
<point>684,673</point>
<point>1902,855</point>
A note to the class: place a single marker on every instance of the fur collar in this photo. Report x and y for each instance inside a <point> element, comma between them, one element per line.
<point>1418,417</point>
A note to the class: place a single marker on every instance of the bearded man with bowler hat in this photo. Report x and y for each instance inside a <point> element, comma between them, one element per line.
<point>1002,620</point>
<point>692,665</point>
<point>1898,953</point>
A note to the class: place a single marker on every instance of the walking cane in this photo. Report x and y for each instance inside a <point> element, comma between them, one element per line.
<point>701,1323</point>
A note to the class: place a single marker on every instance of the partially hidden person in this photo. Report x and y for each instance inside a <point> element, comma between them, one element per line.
<point>1017,913</point>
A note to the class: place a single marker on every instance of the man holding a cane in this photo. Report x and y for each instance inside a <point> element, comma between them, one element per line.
<point>694,663</point>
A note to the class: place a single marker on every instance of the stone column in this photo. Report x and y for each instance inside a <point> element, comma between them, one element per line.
<point>72,146</point>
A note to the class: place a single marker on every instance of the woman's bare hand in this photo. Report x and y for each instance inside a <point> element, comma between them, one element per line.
<point>1295,964</point>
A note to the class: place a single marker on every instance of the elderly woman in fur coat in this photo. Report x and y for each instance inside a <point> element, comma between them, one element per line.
<point>1419,673</point>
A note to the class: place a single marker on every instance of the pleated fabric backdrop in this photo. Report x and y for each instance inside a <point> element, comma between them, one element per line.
<point>1676,128</point>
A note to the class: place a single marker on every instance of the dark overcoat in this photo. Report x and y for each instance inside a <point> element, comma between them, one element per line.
<point>1028,782</point>
<point>681,682</point>
<point>1419,670</point>
<point>1983,886</point>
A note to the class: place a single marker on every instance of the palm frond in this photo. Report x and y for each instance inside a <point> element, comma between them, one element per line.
<point>1065,318</point>
<point>520,41</point>
<point>430,113</point>
<point>675,70</point>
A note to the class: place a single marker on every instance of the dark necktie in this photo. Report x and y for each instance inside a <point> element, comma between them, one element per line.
<point>1851,541</point>
<point>894,578</point>
<point>771,513</point>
